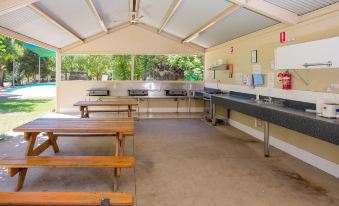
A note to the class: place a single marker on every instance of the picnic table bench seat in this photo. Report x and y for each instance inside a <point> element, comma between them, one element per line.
<point>65,198</point>
<point>92,134</point>
<point>21,164</point>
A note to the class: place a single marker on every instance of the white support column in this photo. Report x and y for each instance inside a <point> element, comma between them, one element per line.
<point>58,79</point>
<point>132,66</point>
<point>39,69</point>
<point>13,74</point>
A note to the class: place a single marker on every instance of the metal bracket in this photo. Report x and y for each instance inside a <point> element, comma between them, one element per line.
<point>305,81</point>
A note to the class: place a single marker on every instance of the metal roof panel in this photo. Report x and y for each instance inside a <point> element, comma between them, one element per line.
<point>239,23</point>
<point>25,21</point>
<point>302,7</point>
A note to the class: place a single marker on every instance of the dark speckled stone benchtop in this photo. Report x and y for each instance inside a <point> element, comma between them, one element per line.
<point>291,118</point>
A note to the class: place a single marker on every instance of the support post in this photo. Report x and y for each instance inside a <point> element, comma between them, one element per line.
<point>266,139</point>
<point>132,66</point>
<point>58,79</point>
<point>39,69</point>
<point>13,74</point>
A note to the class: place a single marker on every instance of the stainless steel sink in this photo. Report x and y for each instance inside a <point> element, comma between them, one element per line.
<point>279,103</point>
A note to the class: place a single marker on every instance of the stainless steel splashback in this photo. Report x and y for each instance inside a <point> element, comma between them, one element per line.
<point>155,88</point>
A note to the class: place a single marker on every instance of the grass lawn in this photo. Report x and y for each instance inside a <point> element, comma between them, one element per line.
<point>14,112</point>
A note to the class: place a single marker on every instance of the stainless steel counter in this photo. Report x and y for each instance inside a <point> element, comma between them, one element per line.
<point>147,98</point>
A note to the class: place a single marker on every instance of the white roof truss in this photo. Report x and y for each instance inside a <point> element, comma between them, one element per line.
<point>134,11</point>
<point>211,22</point>
<point>7,6</point>
<point>97,15</point>
<point>53,21</point>
<point>175,4</point>
<point>270,10</point>
<point>170,36</point>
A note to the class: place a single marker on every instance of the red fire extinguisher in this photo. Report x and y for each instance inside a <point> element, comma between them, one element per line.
<point>286,79</point>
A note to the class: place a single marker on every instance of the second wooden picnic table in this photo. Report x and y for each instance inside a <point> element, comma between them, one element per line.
<point>84,111</point>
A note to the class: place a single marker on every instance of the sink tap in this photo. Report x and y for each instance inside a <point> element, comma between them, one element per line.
<point>268,100</point>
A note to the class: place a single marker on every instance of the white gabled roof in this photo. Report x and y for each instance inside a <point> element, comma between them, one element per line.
<point>205,23</point>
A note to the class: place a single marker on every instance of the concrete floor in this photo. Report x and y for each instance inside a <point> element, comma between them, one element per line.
<point>185,162</point>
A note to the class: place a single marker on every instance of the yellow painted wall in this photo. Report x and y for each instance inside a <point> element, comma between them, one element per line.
<point>264,42</point>
<point>135,39</point>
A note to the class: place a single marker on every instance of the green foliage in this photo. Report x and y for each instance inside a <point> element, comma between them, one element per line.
<point>171,67</point>
<point>117,67</point>
<point>29,65</point>
<point>93,65</point>
<point>158,67</point>
<point>26,62</point>
<point>71,64</point>
<point>121,67</point>
<point>9,49</point>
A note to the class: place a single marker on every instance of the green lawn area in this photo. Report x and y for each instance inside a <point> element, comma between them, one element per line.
<point>14,112</point>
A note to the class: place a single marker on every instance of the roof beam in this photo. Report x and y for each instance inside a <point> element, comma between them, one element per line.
<point>133,10</point>
<point>211,22</point>
<point>270,10</point>
<point>96,14</point>
<point>174,6</point>
<point>53,21</point>
<point>27,39</point>
<point>7,6</point>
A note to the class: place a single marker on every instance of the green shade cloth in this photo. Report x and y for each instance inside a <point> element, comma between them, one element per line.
<point>39,51</point>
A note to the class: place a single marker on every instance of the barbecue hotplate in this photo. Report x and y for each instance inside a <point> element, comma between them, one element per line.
<point>176,92</point>
<point>137,92</point>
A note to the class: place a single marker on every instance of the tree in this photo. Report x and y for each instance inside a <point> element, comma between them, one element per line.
<point>94,65</point>
<point>169,67</point>
<point>98,65</point>
<point>9,49</point>
<point>71,64</point>
<point>121,67</point>
<point>28,65</point>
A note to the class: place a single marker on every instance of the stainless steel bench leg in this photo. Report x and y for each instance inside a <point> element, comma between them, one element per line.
<point>213,115</point>
<point>266,139</point>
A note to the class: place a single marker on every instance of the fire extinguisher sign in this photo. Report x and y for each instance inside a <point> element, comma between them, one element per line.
<point>282,37</point>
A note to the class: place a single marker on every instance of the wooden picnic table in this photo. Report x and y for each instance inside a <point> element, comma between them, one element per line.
<point>32,129</point>
<point>84,111</point>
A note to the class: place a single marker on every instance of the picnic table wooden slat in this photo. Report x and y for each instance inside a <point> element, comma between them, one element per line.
<point>118,102</point>
<point>64,198</point>
<point>77,125</point>
<point>68,161</point>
